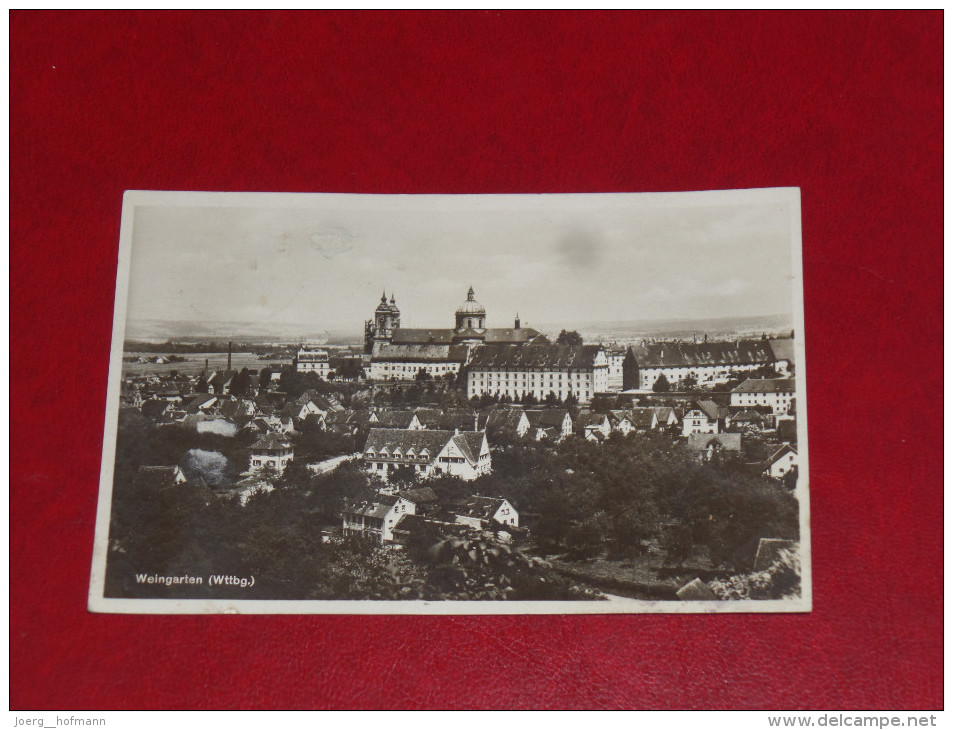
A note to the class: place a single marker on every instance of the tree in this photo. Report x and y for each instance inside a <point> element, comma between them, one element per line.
<point>569,338</point>
<point>264,380</point>
<point>241,383</point>
<point>423,376</point>
<point>661,385</point>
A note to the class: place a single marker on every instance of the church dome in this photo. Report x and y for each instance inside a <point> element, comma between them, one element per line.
<point>471,305</point>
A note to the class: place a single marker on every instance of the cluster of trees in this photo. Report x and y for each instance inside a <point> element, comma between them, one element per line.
<point>527,399</point>
<point>640,492</point>
<point>277,538</point>
<point>620,499</point>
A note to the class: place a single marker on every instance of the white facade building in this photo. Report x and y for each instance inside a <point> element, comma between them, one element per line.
<point>429,453</point>
<point>778,393</point>
<point>313,360</point>
<point>271,451</point>
<point>538,370</point>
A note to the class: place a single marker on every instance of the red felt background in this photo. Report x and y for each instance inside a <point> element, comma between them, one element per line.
<point>846,106</point>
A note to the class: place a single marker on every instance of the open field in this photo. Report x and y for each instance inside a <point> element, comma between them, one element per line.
<point>195,363</point>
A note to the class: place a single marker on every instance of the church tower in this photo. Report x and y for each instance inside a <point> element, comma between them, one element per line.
<point>381,329</point>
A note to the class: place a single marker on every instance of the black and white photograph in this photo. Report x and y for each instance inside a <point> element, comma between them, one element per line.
<point>333,403</point>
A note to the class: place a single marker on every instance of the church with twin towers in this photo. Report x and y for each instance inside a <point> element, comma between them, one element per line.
<point>501,361</point>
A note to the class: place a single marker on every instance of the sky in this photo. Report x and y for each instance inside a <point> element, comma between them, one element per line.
<point>322,261</point>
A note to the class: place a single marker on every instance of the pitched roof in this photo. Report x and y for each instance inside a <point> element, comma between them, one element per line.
<point>534,356</point>
<point>416,352</point>
<point>271,441</point>
<point>766,385</point>
<point>546,417</point>
<point>411,336</point>
<point>390,438</point>
<point>781,452</point>
<point>470,443</point>
<point>643,418</point>
<point>419,495</point>
<point>709,408</point>
<point>379,508</point>
<point>688,354</point>
<point>154,408</point>
<point>727,441</point>
<point>506,335</point>
<point>783,349</point>
<point>481,507</point>
<point>155,477</point>
<point>504,418</point>
<point>787,429</point>
<point>395,419</point>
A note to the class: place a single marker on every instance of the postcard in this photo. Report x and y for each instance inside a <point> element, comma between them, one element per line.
<point>456,404</point>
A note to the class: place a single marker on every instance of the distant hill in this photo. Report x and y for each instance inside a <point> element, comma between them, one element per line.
<point>158,330</point>
<point>716,328</point>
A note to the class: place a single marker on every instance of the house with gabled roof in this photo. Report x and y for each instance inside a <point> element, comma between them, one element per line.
<point>707,445</point>
<point>406,420</point>
<point>619,421</point>
<point>159,477</point>
<point>507,421</point>
<point>594,426</point>
<point>704,416</point>
<point>781,462</point>
<point>478,512</point>
<point>271,450</point>
<point>547,423</point>
<point>465,454</point>
<point>378,517</point>
<point>643,419</point>
<point>665,416</point>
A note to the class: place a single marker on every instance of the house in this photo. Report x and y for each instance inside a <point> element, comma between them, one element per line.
<point>665,417</point>
<point>707,445</point>
<point>448,419</point>
<point>379,517</point>
<point>749,418</point>
<point>787,429</point>
<point>351,422</point>
<point>538,370</point>
<point>202,403</point>
<point>428,452</point>
<point>156,409</point>
<point>549,423</point>
<point>406,420</point>
<point>783,350</point>
<point>154,478</point>
<point>704,417</point>
<point>271,450</point>
<point>644,419</point>
<point>777,393</point>
<point>781,462</point>
<point>478,512</point>
<point>507,422</point>
<point>619,421</point>
<point>424,499</point>
<point>219,381</point>
<point>594,423</point>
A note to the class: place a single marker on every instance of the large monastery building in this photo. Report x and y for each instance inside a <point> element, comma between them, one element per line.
<point>400,353</point>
